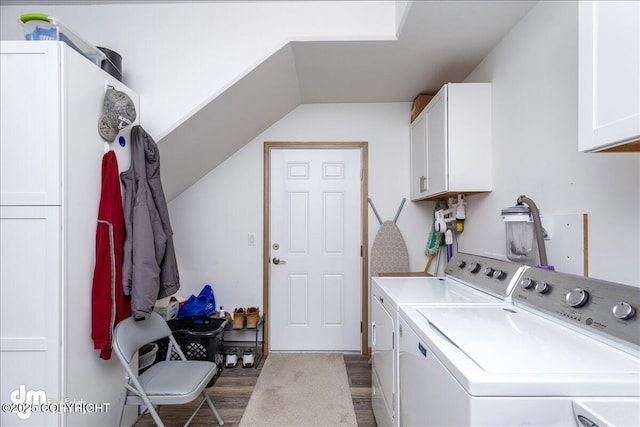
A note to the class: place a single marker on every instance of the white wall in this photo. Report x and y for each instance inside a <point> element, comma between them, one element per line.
<point>180,56</point>
<point>534,75</point>
<point>534,71</point>
<point>212,218</point>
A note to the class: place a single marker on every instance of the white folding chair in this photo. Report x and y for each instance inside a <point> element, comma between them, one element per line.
<point>170,382</point>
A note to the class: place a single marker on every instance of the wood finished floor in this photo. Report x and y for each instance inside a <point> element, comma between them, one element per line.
<point>232,391</point>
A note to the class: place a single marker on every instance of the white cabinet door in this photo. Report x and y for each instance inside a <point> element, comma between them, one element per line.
<point>419,156</point>
<point>30,300</point>
<point>30,155</point>
<point>383,363</point>
<point>428,149</point>
<point>436,144</point>
<point>609,74</point>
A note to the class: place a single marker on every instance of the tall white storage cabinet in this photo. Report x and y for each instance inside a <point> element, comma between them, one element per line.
<point>50,166</point>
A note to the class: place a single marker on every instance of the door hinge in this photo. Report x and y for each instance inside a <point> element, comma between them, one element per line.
<point>393,340</point>
<point>400,329</point>
<point>360,327</point>
<point>361,251</point>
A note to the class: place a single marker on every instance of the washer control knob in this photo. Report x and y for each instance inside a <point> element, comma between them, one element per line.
<point>499,274</point>
<point>474,267</point>
<point>623,310</point>
<point>528,283</point>
<point>577,298</point>
<point>542,287</point>
<point>461,263</point>
<point>488,271</point>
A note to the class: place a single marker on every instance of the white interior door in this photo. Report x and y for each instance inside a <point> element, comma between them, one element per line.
<point>315,268</point>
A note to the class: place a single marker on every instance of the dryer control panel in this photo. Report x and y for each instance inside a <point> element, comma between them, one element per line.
<point>607,309</point>
<point>494,276</point>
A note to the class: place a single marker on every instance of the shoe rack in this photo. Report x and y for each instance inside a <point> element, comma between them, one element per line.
<point>246,338</point>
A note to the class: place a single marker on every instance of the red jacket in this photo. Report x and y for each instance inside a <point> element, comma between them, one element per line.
<point>109,305</point>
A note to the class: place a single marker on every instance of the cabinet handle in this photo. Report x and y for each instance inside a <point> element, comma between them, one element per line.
<point>373,333</point>
<point>423,182</point>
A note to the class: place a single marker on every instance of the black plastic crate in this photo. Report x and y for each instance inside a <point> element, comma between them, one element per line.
<point>200,324</point>
<point>200,338</point>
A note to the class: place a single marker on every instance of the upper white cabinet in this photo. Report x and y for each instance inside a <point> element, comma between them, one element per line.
<point>609,76</point>
<point>451,143</point>
<point>30,131</point>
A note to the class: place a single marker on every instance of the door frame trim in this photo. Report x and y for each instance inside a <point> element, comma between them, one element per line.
<point>266,228</point>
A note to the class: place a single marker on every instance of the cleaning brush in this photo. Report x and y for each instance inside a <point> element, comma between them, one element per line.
<point>433,242</point>
<point>435,239</point>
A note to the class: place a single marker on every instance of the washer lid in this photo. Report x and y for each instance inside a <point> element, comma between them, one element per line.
<point>429,290</point>
<point>508,340</point>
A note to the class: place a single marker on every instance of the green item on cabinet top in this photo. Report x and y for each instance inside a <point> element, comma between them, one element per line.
<point>34,17</point>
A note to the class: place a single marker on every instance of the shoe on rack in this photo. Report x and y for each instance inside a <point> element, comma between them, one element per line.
<point>231,360</point>
<point>239,317</point>
<point>253,316</point>
<point>247,358</point>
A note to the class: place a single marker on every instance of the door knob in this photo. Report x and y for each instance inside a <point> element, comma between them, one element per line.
<point>279,261</point>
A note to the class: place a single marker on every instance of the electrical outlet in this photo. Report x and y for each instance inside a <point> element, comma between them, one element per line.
<point>251,240</point>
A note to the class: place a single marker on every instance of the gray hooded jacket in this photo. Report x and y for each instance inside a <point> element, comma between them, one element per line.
<point>149,270</point>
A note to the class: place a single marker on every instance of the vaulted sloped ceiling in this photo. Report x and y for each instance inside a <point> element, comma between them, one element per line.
<point>440,42</point>
<point>229,121</point>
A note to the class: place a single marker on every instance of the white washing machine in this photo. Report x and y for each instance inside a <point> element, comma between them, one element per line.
<point>469,280</point>
<point>564,338</point>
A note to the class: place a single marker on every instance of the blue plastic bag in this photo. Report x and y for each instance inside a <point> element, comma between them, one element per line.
<point>202,305</point>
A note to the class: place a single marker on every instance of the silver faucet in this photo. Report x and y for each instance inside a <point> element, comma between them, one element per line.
<point>537,227</point>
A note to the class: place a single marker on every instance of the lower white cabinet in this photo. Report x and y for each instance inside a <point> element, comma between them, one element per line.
<point>30,294</point>
<point>51,156</point>
<point>383,363</point>
<point>451,143</point>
